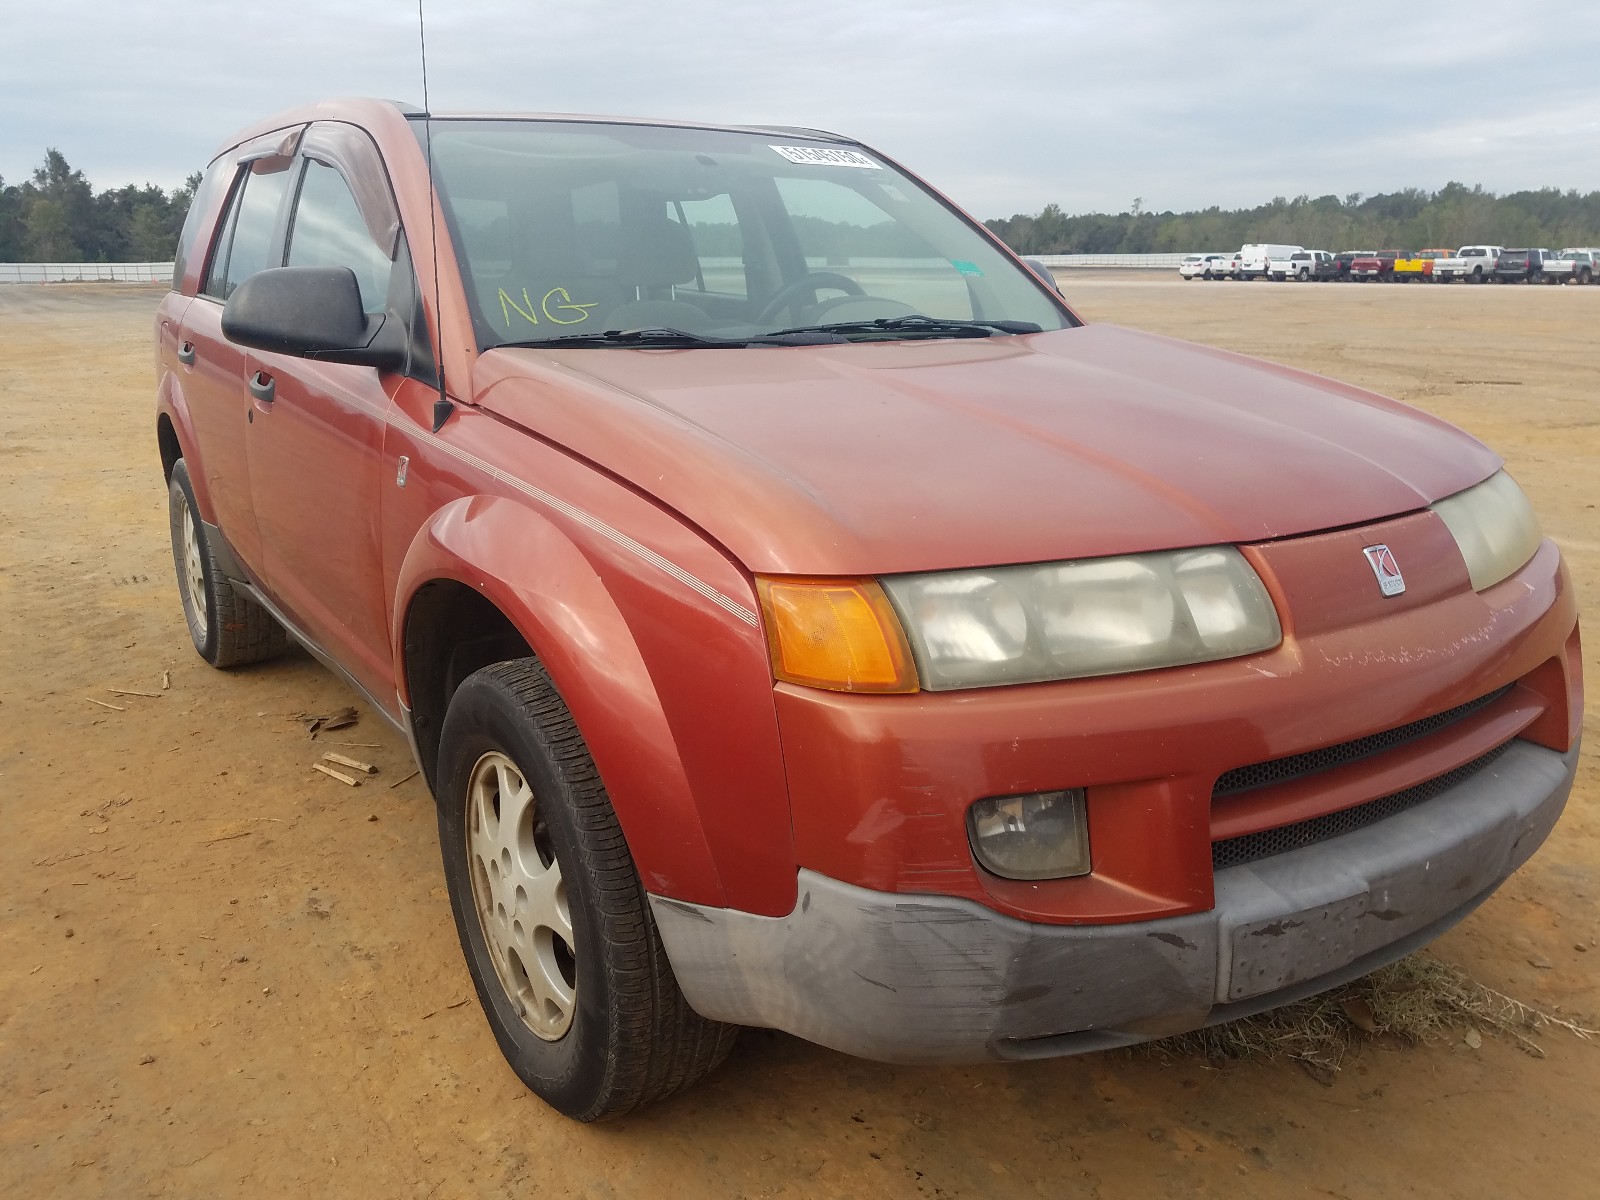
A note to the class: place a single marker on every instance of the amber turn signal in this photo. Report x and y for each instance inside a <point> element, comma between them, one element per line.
<point>839,634</point>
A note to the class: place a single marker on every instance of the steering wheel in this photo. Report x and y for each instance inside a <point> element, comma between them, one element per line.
<point>810,283</point>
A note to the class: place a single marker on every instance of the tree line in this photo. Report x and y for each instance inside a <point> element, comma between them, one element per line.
<point>58,217</point>
<point>1414,219</point>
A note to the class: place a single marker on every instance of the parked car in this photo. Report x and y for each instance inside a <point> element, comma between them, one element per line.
<point>1343,259</point>
<point>1254,257</point>
<point>1302,265</point>
<point>780,680</point>
<point>1475,264</point>
<point>1201,266</point>
<point>1521,266</point>
<point>1418,266</point>
<point>1378,265</point>
<point>1575,264</point>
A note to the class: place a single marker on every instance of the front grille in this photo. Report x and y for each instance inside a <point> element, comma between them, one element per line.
<point>1252,846</point>
<point>1280,770</point>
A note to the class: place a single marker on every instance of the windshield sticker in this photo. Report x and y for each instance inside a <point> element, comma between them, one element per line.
<point>526,310</point>
<point>826,156</point>
<point>966,268</point>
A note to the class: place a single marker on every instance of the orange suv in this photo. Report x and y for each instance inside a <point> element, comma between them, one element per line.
<point>805,620</point>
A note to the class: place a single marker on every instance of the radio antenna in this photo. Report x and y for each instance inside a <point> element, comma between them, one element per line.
<point>442,408</point>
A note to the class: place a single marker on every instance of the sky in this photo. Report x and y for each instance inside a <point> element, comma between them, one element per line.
<point>1180,104</point>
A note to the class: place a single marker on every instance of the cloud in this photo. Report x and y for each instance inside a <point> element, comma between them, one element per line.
<point>1086,105</point>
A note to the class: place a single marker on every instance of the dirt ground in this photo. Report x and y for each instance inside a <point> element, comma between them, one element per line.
<point>222,974</point>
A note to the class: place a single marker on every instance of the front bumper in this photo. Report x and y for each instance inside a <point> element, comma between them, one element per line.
<point>933,979</point>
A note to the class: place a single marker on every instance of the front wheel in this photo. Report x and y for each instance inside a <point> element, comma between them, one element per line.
<point>555,924</point>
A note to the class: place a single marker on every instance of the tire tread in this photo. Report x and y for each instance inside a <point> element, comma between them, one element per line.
<point>679,1045</point>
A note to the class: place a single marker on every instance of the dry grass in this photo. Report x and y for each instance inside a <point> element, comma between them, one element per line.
<point>1415,1000</point>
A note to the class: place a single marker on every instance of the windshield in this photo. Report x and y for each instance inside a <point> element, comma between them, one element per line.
<point>569,228</point>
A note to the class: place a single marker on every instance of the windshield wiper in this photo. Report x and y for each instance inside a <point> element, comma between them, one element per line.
<point>665,337</point>
<point>916,325</point>
<point>661,336</point>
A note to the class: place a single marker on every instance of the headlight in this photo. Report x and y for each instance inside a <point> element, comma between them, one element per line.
<point>1494,526</point>
<point>1092,617</point>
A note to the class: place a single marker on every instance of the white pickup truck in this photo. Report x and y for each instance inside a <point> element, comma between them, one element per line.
<point>1301,266</point>
<point>1475,264</point>
<point>1254,257</point>
<point>1576,264</point>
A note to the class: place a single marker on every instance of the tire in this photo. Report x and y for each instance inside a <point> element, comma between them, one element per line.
<point>1304,274</point>
<point>1584,276</point>
<point>585,1006</point>
<point>228,630</point>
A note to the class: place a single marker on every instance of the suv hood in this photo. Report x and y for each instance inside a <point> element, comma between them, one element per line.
<point>876,458</point>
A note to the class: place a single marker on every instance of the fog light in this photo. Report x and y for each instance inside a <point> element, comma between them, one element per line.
<point>1044,835</point>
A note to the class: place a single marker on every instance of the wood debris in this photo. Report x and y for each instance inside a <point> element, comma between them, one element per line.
<point>316,723</point>
<point>398,782</point>
<point>339,775</point>
<point>131,692</point>
<point>103,704</point>
<point>355,764</point>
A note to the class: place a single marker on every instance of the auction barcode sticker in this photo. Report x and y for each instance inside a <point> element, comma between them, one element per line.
<point>826,156</point>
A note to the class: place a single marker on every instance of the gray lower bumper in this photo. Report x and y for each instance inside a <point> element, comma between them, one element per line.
<point>929,979</point>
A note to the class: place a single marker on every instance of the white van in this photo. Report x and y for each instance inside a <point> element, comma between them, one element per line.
<point>1254,257</point>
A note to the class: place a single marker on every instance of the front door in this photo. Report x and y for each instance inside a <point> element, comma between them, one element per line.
<point>316,432</point>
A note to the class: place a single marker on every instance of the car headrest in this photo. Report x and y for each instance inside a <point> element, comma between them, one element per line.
<point>658,252</point>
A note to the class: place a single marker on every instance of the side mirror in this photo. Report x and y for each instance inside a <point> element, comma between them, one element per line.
<point>1043,272</point>
<point>311,312</point>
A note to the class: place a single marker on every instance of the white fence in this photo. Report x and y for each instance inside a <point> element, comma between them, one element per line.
<point>150,272</point>
<point>1166,262</point>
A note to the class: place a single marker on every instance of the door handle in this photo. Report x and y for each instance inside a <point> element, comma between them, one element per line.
<point>186,353</point>
<point>263,387</point>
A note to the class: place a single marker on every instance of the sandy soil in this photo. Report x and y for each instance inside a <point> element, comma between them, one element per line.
<point>225,975</point>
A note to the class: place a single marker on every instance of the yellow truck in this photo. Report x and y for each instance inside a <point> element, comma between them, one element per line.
<point>1419,266</point>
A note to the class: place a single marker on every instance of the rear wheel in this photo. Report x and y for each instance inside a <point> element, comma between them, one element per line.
<point>555,924</point>
<point>1583,275</point>
<point>228,630</point>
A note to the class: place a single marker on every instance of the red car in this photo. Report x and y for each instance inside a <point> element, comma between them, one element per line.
<point>805,620</point>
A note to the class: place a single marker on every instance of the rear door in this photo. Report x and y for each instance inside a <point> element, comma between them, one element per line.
<point>214,370</point>
<point>317,434</point>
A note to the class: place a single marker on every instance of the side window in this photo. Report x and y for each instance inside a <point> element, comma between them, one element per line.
<point>214,180</point>
<point>250,239</point>
<point>328,231</point>
<point>718,242</point>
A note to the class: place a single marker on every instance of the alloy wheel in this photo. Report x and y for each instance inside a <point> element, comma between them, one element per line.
<point>520,897</point>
